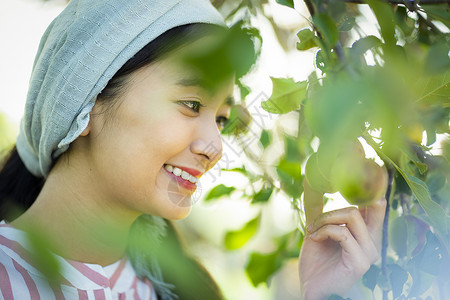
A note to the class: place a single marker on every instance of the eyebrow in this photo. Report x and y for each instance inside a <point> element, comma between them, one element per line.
<point>197,82</point>
<point>188,82</point>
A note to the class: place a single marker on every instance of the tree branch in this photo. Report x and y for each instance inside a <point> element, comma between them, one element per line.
<point>385,242</point>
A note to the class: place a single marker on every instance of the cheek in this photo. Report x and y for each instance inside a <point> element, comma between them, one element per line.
<point>143,148</point>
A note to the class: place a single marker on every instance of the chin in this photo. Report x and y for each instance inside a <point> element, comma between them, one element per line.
<point>178,213</point>
<point>174,207</point>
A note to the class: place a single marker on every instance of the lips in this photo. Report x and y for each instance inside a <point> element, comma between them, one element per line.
<point>185,177</point>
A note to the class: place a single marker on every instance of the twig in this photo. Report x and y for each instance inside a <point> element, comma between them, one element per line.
<point>384,243</point>
<point>429,23</point>
<point>310,7</point>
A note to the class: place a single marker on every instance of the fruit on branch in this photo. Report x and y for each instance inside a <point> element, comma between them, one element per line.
<point>318,166</point>
<point>317,178</point>
<point>360,181</point>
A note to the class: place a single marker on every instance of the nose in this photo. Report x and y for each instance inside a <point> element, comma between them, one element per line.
<point>208,145</point>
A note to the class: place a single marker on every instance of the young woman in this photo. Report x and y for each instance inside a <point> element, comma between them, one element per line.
<point>118,128</point>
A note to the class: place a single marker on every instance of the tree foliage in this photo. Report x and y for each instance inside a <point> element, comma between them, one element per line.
<point>390,90</point>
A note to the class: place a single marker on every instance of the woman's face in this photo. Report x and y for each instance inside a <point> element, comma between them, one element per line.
<point>162,135</point>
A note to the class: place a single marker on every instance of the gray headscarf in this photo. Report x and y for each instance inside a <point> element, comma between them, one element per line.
<point>79,53</point>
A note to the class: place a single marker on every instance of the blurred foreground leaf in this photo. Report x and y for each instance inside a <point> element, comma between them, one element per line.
<point>219,191</point>
<point>262,266</point>
<point>288,3</point>
<point>236,239</point>
<point>287,96</point>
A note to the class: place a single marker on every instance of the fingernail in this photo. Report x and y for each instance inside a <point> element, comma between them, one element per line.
<point>313,235</point>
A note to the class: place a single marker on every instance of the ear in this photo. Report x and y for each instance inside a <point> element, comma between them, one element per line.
<point>86,131</point>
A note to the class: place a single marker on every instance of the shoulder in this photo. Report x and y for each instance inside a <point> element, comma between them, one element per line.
<point>19,279</point>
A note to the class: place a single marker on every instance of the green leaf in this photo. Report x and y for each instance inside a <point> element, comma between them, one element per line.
<point>431,136</point>
<point>42,257</point>
<point>307,39</point>
<point>431,257</point>
<point>385,17</point>
<point>439,12</point>
<point>287,95</point>
<point>327,28</point>
<point>335,116</point>
<point>219,191</point>
<point>236,239</point>
<point>346,24</point>
<point>422,281</point>
<point>263,195</point>
<point>243,89</point>
<point>290,177</point>
<point>336,9</point>
<point>370,278</point>
<point>437,60</point>
<point>8,133</point>
<point>364,44</point>
<point>261,267</point>
<point>288,3</point>
<point>265,138</point>
<point>292,150</point>
<point>238,122</point>
<point>321,61</point>
<point>434,89</point>
<point>293,169</point>
<point>435,181</point>
<point>404,22</point>
<point>437,216</point>
<point>398,233</point>
<point>421,167</point>
<point>242,170</point>
<point>397,278</point>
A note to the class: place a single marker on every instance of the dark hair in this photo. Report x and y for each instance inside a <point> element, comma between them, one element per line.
<point>19,188</point>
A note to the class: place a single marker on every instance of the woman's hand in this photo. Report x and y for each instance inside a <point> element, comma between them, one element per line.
<point>339,246</point>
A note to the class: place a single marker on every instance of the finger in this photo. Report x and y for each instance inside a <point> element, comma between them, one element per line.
<point>351,217</point>
<point>373,216</point>
<point>312,203</point>
<point>353,256</point>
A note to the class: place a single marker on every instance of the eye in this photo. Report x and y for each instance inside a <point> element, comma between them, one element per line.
<point>221,122</point>
<point>192,105</point>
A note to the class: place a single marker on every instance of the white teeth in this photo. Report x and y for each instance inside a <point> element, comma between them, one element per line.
<point>183,174</point>
<point>176,171</point>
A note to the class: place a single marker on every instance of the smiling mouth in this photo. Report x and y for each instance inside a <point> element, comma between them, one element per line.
<point>181,173</point>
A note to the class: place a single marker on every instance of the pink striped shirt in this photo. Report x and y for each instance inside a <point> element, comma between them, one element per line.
<point>20,279</point>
